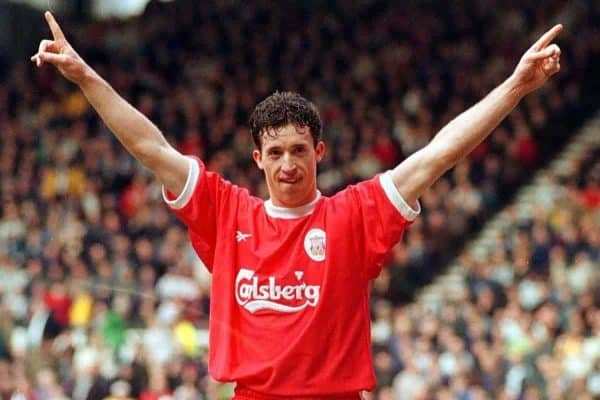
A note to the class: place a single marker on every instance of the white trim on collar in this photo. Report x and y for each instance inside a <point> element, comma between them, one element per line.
<point>290,213</point>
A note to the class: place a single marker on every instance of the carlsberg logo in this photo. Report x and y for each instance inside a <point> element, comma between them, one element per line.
<point>271,296</point>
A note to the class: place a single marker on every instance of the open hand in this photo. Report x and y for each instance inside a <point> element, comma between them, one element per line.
<point>539,62</point>
<point>59,53</point>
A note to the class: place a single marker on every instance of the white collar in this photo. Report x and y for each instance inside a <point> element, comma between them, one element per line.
<point>291,212</point>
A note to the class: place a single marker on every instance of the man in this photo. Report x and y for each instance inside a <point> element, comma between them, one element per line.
<point>289,310</point>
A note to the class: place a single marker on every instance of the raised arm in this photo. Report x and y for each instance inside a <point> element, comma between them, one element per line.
<point>460,136</point>
<point>137,133</point>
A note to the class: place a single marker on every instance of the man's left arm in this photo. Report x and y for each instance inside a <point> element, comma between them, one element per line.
<point>459,137</point>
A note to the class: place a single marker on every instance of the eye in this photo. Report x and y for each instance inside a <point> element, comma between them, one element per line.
<point>274,153</point>
<point>299,150</point>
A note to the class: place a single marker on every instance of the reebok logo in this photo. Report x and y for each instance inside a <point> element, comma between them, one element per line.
<point>272,296</point>
<point>240,236</point>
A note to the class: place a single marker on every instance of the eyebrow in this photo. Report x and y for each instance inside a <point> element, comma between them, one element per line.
<point>280,147</point>
<point>273,147</point>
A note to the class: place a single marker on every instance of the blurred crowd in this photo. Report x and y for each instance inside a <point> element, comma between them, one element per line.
<point>527,325</point>
<point>101,293</point>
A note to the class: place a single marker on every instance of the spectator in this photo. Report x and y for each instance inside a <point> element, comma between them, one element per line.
<point>76,210</point>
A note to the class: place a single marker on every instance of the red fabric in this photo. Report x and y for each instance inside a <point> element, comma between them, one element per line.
<point>149,395</point>
<point>283,320</point>
<point>133,197</point>
<point>59,305</point>
<point>330,114</point>
<point>191,145</point>
<point>246,394</point>
<point>385,151</point>
<point>527,151</point>
<point>591,197</point>
<point>480,152</point>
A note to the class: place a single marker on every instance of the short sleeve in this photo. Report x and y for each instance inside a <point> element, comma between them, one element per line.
<point>198,207</point>
<point>379,217</point>
<point>179,202</point>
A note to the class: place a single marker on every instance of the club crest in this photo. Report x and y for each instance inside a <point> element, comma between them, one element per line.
<point>315,244</point>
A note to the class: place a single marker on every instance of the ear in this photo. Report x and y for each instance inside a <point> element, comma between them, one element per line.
<point>320,150</point>
<point>257,156</point>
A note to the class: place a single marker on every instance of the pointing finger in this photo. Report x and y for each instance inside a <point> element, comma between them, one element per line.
<point>54,27</point>
<point>547,37</point>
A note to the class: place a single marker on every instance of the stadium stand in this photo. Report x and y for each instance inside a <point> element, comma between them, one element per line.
<point>518,315</point>
<point>93,268</point>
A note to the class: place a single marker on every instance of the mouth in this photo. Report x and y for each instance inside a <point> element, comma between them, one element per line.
<point>290,181</point>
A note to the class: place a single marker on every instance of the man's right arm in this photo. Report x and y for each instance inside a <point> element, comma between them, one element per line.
<point>137,133</point>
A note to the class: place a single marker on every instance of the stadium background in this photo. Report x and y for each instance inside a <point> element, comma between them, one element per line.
<point>101,293</point>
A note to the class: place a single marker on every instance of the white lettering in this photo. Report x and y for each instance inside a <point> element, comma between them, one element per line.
<point>254,297</point>
<point>264,292</point>
<point>273,292</point>
<point>312,295</point>
<point>288,292</point>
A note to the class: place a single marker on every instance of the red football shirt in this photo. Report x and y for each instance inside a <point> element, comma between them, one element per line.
<point>289,311</point>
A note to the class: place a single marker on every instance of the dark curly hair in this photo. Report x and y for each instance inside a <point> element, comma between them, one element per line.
<point>280,109</point>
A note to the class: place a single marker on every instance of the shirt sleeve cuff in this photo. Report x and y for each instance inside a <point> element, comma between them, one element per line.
<point>396,199</point>
<point>186,194</point>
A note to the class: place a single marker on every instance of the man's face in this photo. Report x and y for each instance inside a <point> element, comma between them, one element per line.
<point>289,159</point>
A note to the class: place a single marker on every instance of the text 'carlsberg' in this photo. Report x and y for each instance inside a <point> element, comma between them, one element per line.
<point>271,296</point>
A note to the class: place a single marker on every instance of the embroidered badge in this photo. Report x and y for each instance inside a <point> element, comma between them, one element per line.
<point>315,244</point>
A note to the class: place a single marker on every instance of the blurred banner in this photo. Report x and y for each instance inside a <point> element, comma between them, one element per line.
<point>97,9</point>
<point>117,8</point>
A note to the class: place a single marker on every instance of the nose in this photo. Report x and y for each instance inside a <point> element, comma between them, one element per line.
<point>288,165</point>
